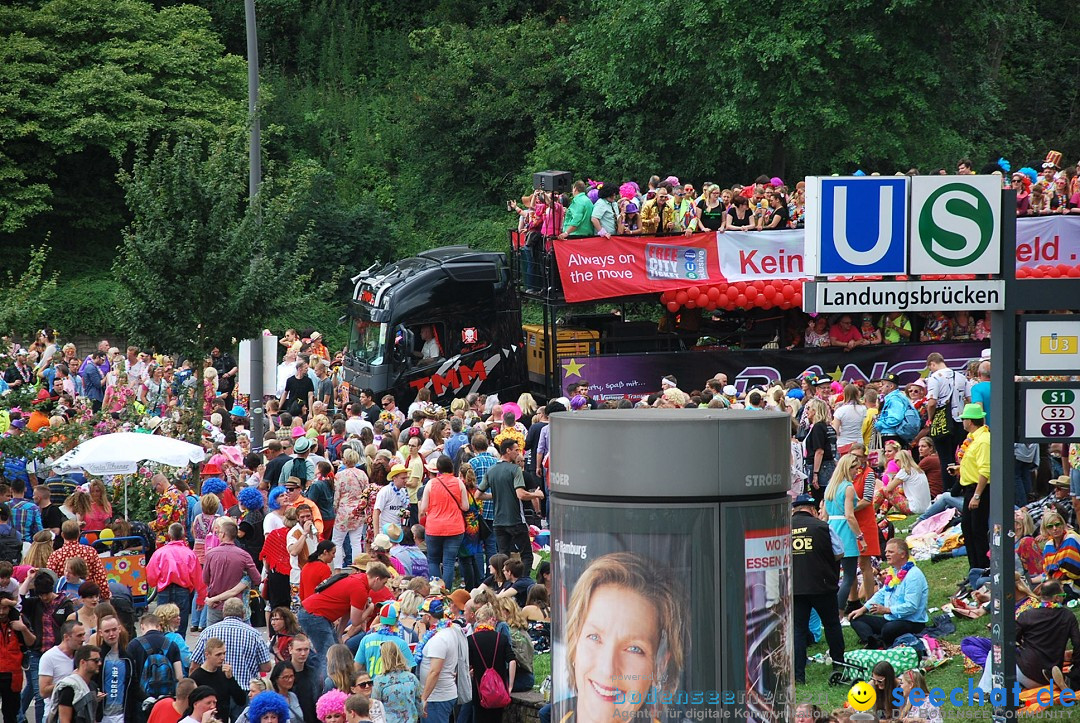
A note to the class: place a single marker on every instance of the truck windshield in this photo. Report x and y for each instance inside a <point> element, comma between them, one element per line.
<point>368,341</point>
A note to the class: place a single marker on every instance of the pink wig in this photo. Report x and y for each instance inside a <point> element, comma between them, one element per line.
<point>332,702</point>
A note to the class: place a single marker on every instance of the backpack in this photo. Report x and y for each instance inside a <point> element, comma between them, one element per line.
<point>15,468</point>
<point>333,450</point>
<point>492,689</point>
<point>331,580</point>
<point>10,544</point>
<point>911,423</point>
<point>158,678</point>
<point>830,438</point>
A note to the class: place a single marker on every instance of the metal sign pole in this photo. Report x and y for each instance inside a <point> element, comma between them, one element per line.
<point>255,399</point>
<point>1002,420</point>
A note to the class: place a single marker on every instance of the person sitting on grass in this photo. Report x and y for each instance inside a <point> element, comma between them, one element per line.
<point>1061,553</point>
<point>896,608</point>
<point>1042,634</point>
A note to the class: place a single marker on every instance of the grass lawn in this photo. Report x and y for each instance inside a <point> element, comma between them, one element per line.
<point>942,578</point>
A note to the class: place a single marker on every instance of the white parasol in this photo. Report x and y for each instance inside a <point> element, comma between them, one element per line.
<point>122,452</point>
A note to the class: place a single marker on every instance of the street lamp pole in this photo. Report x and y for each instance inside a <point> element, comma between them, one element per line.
<point>254,149</point>
<point>255,402</point>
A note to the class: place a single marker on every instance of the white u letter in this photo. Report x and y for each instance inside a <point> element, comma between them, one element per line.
<point>884,231</point>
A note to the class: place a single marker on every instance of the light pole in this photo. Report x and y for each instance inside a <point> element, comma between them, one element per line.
<point>254,149</point>
<point>255,400</point>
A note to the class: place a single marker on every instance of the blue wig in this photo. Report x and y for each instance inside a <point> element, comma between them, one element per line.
<point>213,486</point>
<point>251,498</point>
<point>268,702</point>
<point>273,497</point>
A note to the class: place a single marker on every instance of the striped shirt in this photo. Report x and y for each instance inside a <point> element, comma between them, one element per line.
<point>245,647</point>
<point>481,463</point>
<point>26,518</point>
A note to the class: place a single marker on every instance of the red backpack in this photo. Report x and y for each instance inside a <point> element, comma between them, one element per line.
<point>493,692</point>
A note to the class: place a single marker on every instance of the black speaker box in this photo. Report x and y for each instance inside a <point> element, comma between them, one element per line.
<point>553,181</point>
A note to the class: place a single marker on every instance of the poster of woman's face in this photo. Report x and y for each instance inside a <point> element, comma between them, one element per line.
<point>628,605</point>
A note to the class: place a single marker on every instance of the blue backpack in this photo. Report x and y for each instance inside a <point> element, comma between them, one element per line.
<point>15,468</point>
<point>911,424</point>
<point>158,678</point>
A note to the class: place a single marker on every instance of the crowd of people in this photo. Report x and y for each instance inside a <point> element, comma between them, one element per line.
<point>389,552</point>
<point>849,331</point>
<point>670,206</point>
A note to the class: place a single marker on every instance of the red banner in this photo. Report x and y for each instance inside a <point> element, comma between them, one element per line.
<point>599,268</point>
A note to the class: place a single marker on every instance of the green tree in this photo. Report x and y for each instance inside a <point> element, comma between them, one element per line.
<point>198,265</point>
<point>23,297</point>
<point>807,87</point>
<point>83,82</point>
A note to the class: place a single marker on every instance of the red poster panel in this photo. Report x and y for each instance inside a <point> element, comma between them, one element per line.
<point>599,268</point>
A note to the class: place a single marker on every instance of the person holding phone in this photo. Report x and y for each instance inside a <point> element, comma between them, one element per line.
<point>973,468</point>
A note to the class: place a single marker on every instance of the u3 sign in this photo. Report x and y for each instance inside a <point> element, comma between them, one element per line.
<point>875,225</point>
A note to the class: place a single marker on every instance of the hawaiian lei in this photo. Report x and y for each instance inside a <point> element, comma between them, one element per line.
<point>443,625</point>
<point>895,577</point>
<point>387,630</point>
<point>483,626</point>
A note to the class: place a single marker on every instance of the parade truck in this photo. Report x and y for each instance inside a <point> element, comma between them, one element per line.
<point>461,303</point>
<point>623,312</point>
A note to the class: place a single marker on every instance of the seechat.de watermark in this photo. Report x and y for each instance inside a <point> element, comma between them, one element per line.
<point>973,696</point>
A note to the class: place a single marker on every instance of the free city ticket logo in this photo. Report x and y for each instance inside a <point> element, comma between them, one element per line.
<point>668,261</point>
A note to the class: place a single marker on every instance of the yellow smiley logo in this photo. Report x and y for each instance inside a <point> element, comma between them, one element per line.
<point>862,696</point>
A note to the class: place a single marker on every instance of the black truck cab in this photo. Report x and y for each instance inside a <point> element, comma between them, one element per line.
<point>448,320</point>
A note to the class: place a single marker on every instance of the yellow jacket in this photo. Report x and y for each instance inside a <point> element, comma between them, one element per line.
<point>650,216</point>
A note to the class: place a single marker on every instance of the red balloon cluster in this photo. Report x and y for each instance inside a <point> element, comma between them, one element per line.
<point>770,294</point>
<point>1048,271</point>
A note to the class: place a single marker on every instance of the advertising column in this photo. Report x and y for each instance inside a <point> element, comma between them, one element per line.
<point>671,555</point>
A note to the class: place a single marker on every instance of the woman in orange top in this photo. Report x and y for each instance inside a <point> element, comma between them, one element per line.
<point>864,482</point>
<point>443,503</point>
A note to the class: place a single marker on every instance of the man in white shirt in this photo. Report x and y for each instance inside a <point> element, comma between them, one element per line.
<point>286,369</point>
<point>945,389</point>
<point>356,423</point>
<point>392,502</point>
<point>439,665</point>
<point>58,661</point>
<point>430,351</point>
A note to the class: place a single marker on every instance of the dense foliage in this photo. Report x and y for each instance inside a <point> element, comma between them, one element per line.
<point>392,127</point>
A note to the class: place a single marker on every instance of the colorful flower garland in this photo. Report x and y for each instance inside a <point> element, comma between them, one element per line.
<point>894,577</point>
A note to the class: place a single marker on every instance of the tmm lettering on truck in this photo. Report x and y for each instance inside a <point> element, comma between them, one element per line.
<point>454,378</point>
<point>763,480</point>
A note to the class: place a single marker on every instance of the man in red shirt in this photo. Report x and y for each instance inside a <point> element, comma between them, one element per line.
<point>317,569</point>
<point>844,334</point>
<point>351,596</point>
<point>171,710</point>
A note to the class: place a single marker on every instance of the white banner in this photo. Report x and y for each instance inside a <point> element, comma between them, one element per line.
<point>753,255</point>
<point>826,297</point>
<point>1048,240</point>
